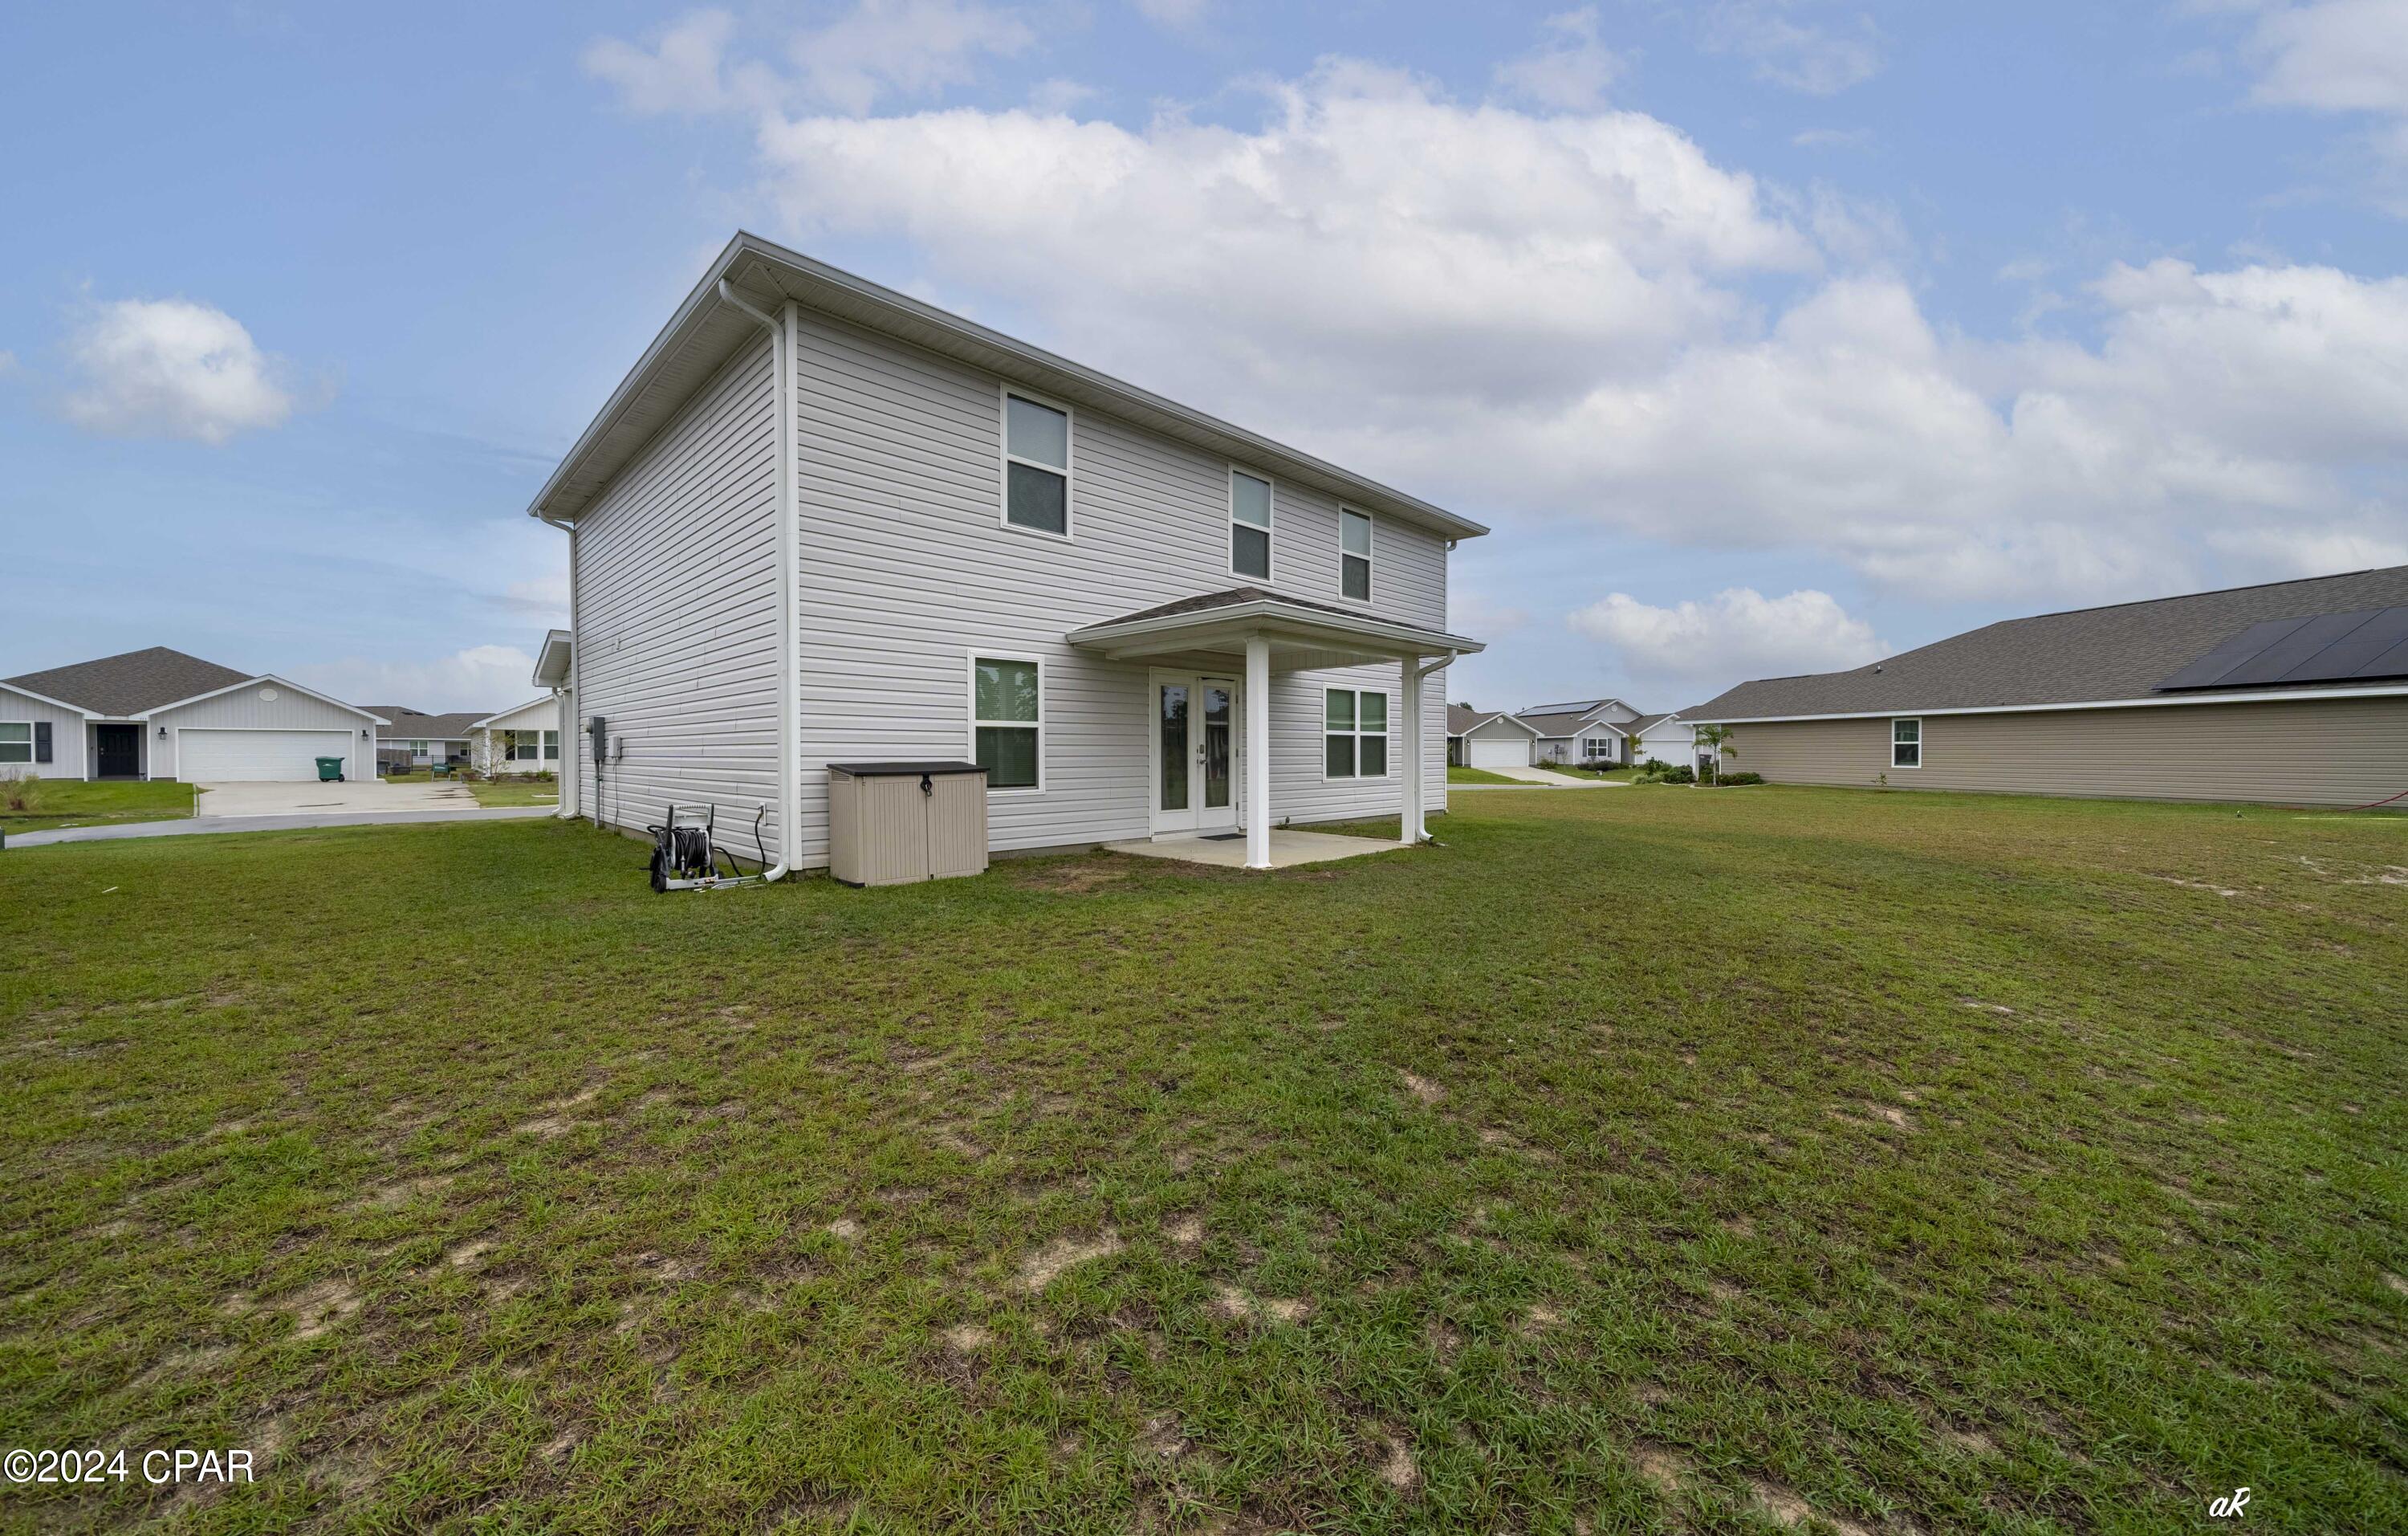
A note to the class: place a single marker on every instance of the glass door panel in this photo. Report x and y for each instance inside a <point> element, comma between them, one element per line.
<point>1219,717</point>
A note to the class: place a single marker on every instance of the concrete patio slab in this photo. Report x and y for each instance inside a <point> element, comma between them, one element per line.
<point>1289,848</point>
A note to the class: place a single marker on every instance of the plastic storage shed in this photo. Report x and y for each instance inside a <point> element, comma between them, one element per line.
<point>891,823</point>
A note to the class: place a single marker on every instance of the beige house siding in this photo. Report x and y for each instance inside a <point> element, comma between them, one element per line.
<point>2295,751</point>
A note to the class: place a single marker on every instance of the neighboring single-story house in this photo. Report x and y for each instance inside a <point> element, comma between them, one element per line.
<point>526,739</point>
<point>822,522</point>
<point>1669,739</point>
<point>1589,730</point>
<point>2292,693</point>
<point>412,738</point>
<point>162,714</point>
<point>1486,738</point>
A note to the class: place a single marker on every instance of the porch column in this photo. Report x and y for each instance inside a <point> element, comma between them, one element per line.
<point>568,768</point>
<point>1410,832</point>
<point>1258,753</point>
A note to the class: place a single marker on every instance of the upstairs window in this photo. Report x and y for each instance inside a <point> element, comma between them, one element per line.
<point>1906,743</point>
<point>1353,555</point>
<point>1250,526</point>
<point>1005,703</point>
<point>1355,734</point>
<point>1036,465</point>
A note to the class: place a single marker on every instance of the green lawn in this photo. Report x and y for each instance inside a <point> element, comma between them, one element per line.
<point>1477,776</point>
<point>1930,1163</point>
<point>1583,770</point>
<point>45,803</point>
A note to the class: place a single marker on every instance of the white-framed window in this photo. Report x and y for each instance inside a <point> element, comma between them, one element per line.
<point>1353,554</point>
<point>1006,720</point>
<point>1906,743</point>
<point>1353,733</point>
<point>1596,746</point>
<point>1036,465</point>
<point>552,746</point>
<point>15,740</point>
<point>1250,526</point>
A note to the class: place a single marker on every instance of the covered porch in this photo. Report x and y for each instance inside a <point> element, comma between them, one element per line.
<point>1212,659</point>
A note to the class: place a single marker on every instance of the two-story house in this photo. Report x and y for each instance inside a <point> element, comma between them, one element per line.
<point>824,522</point>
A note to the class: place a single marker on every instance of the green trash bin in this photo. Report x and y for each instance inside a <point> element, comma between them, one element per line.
<point>330,770</point>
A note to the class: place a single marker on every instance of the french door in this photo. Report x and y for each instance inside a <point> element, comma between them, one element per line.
<point>1192,753</point>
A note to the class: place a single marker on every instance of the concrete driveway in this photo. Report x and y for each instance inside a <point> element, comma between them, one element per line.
<point>305,799</point>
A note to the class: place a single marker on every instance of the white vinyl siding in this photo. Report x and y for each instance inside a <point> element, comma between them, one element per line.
<point>908,567</point>
<point>677,643</point>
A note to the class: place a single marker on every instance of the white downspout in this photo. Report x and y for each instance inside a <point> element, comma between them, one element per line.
<point>784,337</point>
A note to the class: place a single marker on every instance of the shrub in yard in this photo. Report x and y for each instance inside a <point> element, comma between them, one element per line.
<point>1741,778</point>
<point>1681,774</point>
<point>21,793</point>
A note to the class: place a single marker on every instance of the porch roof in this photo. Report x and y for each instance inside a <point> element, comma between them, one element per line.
<point>1301,633</point>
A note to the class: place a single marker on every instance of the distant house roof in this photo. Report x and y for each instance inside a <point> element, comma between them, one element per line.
<point>130,684</point>
<point>2088,655</point>
<point>1552,723</point>
<point>410,725</point>
<point>1646,723</point>
<point>1462,720</point>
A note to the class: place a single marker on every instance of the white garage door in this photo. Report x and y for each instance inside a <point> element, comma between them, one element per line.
<point>1514,752</point>
<point>227,756</point>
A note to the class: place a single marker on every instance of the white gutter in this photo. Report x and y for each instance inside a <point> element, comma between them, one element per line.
<point>785,339</point>
<point>2279,696</point>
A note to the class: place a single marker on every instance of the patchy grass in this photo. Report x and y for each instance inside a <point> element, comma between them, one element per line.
<point>38,805</point>
<point>1478,776</point>
<point>1901,1162</point>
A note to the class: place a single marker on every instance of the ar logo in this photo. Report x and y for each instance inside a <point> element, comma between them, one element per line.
<point>2230,1506</point>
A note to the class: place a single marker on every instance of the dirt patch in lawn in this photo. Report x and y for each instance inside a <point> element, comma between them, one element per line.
<point>1042,1267</point>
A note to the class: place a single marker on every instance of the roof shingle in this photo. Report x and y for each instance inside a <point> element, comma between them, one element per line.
<point>2087,655</point>
<point>131,682</point>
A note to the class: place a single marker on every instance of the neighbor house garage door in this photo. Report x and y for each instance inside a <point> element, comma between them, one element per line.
<point>1497,754</point>
<point>207,756</point>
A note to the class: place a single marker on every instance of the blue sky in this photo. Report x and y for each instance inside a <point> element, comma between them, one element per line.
<point>1769,337</point>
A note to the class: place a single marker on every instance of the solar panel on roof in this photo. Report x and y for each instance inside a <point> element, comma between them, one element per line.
<point>2361,646</point>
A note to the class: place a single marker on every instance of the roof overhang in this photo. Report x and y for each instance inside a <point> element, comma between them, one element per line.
<point>55,703</point>
<point>1299,635</point>
<point>552,660</point>
<point>706,332</point>
<point>2275,696</point>
<point>265,679</point>
<point>499,715</point>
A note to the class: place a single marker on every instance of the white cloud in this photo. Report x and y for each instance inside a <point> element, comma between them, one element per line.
<point>881,48</point>
<point>1570,70</point>
<point>1735,635</point>
<point>1178,15</point>
<point>1370,236</point>
<point>2339,56</point>
<point>1057,97</point>
<point>1560,316</point>
<point>483,677</point>
<point>1817,59</point>
<point>687,70</point>
<point>171,368</point>
<point>2334,56</point>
